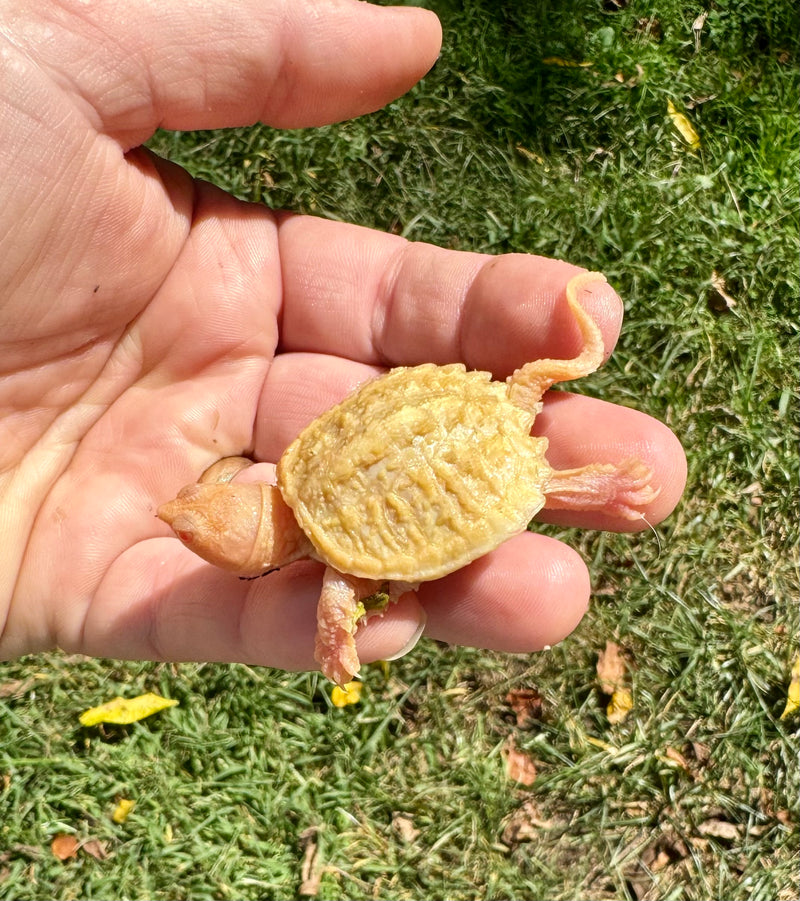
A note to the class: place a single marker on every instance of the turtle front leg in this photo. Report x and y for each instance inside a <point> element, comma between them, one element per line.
<point>623,489</point>
<point>338,614</point>
<point>244,527</point>
<point>344,604</point>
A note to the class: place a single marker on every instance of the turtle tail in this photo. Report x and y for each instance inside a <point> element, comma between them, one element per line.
<point>528,384</point>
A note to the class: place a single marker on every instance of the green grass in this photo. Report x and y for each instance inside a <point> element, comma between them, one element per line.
<point>499,150</point>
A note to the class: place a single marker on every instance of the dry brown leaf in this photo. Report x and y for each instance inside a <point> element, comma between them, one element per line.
<point>667,850</point>
<point>527,704</point>
<point>678,758</point>
<point>697,29</point>
<point>65,846</point>
<point>720,300</point>
<point>310,872</point>
<point>611,668</point>
<point>721,829</point>
<point>16,688</point>
<point>702,753</point>
<point>519,766</point>
<point>524,824</point>
<point>34,852</point>
<point>632,80</point>
<point>612,672</point>
<point>95,848</point>
<point>403,825</point>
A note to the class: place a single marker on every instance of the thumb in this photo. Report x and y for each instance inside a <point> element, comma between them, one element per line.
<point>211,63</point>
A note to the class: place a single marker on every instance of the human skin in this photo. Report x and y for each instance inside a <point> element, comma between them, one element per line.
<point>151,324</point>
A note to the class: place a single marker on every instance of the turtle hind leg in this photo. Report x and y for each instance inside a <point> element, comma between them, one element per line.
<point>527,385</point>
<point>622,490</point>
<point>225,469</point>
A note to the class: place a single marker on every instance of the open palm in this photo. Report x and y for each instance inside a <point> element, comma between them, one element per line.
<point>150,324</point>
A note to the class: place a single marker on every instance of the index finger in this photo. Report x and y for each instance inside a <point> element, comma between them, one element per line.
<point>380,299</point>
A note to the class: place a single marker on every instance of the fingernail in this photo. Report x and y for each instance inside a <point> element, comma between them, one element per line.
<point>413,641</point>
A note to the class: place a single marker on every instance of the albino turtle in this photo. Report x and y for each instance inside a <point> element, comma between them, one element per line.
<point>411,477</point>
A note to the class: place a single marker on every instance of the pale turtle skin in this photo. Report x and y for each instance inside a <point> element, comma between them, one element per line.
<point>413,476</point>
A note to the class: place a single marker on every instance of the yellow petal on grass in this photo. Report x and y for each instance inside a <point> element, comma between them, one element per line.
<point>122,810</point>
<point>566,63</point>
<point>619,706</point>
<point>349,693</point>
<point>683,125</point>
<point>599,743</point>
<point>125,710</point>
<point>531,156</point>
<point>793,694</point>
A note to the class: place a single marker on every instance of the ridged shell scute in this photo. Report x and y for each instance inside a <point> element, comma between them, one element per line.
<point>416,474</point>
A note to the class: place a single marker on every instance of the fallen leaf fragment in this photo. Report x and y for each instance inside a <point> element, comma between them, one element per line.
<point>530,155</point>
<point>702,753</point>
<point>519,765</point>
<point>793,693</point>
<point>721,829</point>
<point>310,873</point>
<point>64,846</point>
<point>683,126</point>
<point>95,848</point>
<point>667,849</point>
<point>16,688</point>
<point>721,300</point>
<point>123,810</point>
<point>404,826</point>
<point>122,711</point>
<point>697,29</point>
<point>349,693</point>
<point>527,704</point>
<point>612,670</point>
<point>675,757</point>
<point>524,824</point>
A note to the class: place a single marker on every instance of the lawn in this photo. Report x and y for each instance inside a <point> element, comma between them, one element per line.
<point>544,128</point>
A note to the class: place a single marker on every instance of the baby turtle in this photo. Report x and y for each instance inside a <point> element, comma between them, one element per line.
<point>414,475</point>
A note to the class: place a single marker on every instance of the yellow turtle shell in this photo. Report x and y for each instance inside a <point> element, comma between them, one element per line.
<point>416,474</point>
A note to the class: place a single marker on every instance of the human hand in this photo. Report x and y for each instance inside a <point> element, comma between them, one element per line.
<point>150,324</point>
